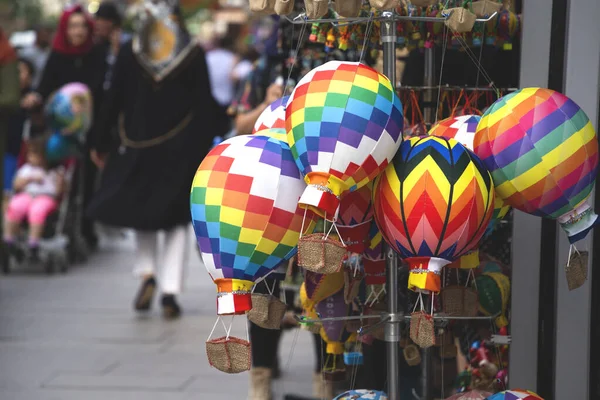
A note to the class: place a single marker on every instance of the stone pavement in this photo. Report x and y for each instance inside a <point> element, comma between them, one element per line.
<point>75,337</point>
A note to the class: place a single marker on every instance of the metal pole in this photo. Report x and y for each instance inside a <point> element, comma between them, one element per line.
<point>429,116</point>
<point>392,327</point>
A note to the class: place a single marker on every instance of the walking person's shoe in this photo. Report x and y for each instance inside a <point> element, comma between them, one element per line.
<point>143,300</point>
<point>260,384</point>
<point>171,309</point>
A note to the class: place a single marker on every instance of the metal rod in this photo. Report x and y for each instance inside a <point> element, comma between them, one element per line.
<point>392,327</point>
<point>398,316</point>
<point>385,16</point>
<point>449,87</point>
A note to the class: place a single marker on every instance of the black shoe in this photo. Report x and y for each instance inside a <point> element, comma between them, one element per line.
<point>143,300</point>
<point>92,242</point>
<point>171,309</point>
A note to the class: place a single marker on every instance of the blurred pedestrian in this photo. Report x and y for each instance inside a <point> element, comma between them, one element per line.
<point>38,53</point>
<point>108,33</point>
<point>221,59</point>
<point>166,118</point>
<point>9,94</point>
<point>74,58</point>
<point>16,126</point>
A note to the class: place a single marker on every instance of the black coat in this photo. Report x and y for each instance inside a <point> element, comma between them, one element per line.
<point>61,69</point>
<point>147,179</point>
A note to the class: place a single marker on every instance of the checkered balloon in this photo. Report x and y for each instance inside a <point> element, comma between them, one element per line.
<point>344,124</point>
<point>244,204</point>
<point>432,205</point>
<point>273,117</point>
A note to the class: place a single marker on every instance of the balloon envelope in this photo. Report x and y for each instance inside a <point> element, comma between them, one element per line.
<point>245,213</point>
<point>542,152</point>
<point>273,117</point>
<point>69,109</point>
<point>344,124</point>
<point>432,205</point>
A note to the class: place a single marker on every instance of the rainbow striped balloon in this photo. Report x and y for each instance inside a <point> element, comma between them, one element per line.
<point>344,124</point>
<point>273,117</point>
<point>432,205</point>
<point>542,151</point>
<point>244,205</point>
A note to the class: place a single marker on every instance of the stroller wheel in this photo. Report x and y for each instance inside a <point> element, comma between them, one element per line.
<point>49,265</point>
<point>62,263</point>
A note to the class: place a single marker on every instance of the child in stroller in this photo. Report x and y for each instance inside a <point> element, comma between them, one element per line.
<point>37,191</point>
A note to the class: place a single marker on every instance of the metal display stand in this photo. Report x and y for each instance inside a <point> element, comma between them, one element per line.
<point>393,317</point>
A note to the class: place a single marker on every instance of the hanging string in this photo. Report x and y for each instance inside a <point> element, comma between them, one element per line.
<point>295,56</point>
<point>444,47</point>
<point>479,66</point>
<point>367,37</point>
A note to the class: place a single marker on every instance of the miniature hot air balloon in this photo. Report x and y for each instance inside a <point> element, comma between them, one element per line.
<point>515,394</point>
<point>245,214</point>
<point>374,266</point>
<point>334,333</point>
<point>542,152</point>
<point>69,109</point>
<point>432,205</point>
<point>355,217</point>
<point>273,117</point>
<point>315,288</point>
<point>344,124</point>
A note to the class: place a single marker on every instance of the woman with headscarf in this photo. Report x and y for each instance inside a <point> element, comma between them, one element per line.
<point>74,58</point>
<point>10,93</point>
<point>166,117</point>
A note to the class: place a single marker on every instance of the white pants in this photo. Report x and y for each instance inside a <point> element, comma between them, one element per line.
<point>174,258</point>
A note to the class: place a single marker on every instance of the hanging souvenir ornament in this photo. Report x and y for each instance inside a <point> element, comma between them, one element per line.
<point>245,214</point>
<point>515,394</point>
<point>362,394</point>
<point>470,395</point>
<point>432,205</point>
<point>273,117</point>
<point>355,217</point>
<point>374,266</point>
<point>335,334</point>
<point>507,27</point>
<point>542,152</point>
<point>344,125</point>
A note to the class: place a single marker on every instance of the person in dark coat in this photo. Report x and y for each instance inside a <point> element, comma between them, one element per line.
<point>166,117</point>
<point>74,58</point>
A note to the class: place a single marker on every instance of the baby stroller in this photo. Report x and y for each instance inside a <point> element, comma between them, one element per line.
<point>53,250</point>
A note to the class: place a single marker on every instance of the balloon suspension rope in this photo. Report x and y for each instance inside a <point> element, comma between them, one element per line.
<point>368,32</point>
<point>227,330</point>
<point>295,57</point>
<point>571,248</point>
<point>444,47</point>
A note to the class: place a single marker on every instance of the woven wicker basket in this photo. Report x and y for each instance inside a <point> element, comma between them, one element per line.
<point>412,355</point>
<point>316,8</point>
<point>485,8</point>
<point>422,330</point>
<point>284,7</point>
<point>384,5</point>
<point>262,6</point>
<point>460,20</point>
<point>320,255</point>
<point>260,308</point>
<point>577,271</point>
<point>231,355</point>
<point>348,8</point>
<point>460,301</point>
<point>424,3</point>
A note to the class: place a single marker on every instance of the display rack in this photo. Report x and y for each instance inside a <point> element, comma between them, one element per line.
<point>392,318</point>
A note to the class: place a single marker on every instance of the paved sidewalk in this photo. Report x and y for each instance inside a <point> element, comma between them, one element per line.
<point>75,337</point>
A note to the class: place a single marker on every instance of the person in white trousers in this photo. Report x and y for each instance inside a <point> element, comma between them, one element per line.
<point>160,104</point>
<point>173,261</point>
